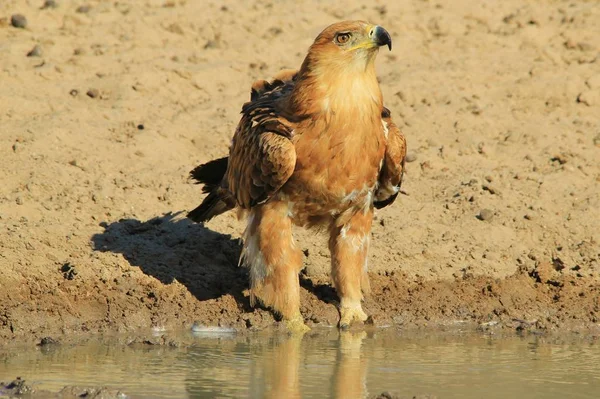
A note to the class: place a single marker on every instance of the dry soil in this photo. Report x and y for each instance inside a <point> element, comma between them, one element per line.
<point>99,126</point>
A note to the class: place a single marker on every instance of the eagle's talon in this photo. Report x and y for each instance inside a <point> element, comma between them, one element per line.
<point>296,325</point>
<point>351,314</point>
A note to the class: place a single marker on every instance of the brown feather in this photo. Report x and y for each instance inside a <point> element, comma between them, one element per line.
<point>392,170</point>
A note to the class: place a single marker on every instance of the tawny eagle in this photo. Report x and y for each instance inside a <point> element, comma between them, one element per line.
<point>315,148</point>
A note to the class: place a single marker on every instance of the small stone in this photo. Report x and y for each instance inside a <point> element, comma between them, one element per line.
<point>485,214</point>
<point>585,46</point>
<point>93,93</point>
<point>74,92</point>
<point>19,387</point>
<point>84,9</point>
<point>386,395</point>
<point>175,28</point>
<point>79,51</point>
<point>69,272</point>
<point>140,127</point>
<point>18,21</point>
<point>49,4</point>
<point>411,157</point>
<point>211,44</point>
<point>490,189</point>
<point>589,98</point>
<point>47,341</point>
<point>19,200</point>
<point>36,51</point>
<point>559,158</point>
<point>275,31</point>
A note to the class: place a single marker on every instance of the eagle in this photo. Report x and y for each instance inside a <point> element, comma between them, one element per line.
<point>315,147</point>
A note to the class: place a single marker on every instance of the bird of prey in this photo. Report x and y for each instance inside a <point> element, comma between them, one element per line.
<point>314,148</point>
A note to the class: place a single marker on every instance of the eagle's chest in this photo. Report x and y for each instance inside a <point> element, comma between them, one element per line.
<point>336,169</point>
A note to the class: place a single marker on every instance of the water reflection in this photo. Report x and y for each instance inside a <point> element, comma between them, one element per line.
<point>322,364</point>
<point>350,372</point>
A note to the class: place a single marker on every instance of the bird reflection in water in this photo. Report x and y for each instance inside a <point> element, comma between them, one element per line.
<point>347,379</point>
<point>282,366</point>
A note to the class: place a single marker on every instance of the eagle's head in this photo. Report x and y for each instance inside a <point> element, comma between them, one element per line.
<point>338,73</point>
<point>348,43</point>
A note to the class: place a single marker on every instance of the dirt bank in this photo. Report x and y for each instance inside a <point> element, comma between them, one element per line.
<point>500,103</point>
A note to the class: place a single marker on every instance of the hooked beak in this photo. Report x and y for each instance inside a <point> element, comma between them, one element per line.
<point>381,37</point>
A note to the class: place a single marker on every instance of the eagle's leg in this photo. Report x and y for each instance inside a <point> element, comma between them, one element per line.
<point>274,261</point>
<point>349,245</point>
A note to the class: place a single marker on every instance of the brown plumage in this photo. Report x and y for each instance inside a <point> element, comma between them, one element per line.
<point>314,147</point>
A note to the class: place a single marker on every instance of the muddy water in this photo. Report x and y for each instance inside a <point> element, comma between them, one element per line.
<point>321,364</point>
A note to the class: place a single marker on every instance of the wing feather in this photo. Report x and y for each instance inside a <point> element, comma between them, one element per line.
<point>262,156</point>
<point>392,169</point>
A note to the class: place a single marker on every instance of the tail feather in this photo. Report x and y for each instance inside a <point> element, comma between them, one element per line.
<point>211,174</point>
<point>213,205</point>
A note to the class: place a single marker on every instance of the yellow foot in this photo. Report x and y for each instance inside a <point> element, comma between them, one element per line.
<point>351,314</point>
<point>296,325</point>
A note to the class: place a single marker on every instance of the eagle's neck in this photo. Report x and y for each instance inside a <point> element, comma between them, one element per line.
<point>337,91</point>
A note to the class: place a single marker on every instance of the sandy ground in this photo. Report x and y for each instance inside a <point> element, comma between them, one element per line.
<point>500,102</point>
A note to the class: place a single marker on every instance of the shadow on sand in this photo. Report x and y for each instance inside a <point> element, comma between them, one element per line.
<point>171,247</point>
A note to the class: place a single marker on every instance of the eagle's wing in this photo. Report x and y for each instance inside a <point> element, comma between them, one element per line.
<point>262,156</point>
<point>392,169</point>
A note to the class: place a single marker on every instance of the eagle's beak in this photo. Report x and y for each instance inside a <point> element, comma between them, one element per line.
<point>381,37</point>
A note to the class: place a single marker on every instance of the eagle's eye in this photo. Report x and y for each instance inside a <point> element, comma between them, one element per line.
<point>342,38</point>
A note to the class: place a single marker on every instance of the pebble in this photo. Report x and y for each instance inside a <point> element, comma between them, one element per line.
<point>19,200</point>
<point>93,93</point>
<point>36,51</point>
<point>74,92</point>
<point>490,189</point>
<point>211,44</point>
<point>84,9</point>
<point>47,341</point>
<point>485,214</point>
<point>49,4</point>
<point>69,272</point>
<point>589,98</point>
<point>18,21</point>
<point>411,157</point>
